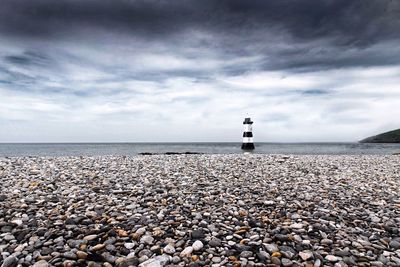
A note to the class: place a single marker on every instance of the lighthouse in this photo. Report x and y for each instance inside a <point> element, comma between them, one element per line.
<point>247,135</point>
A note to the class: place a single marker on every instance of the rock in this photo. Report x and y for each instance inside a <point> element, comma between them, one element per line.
<point>332,258</point>
<point>90,237</point>
<point>129,245</point>
<point>276,261</point>
<point>297,226</point>
<point>70,255</point>
<point>269,202</point>
<point>186,252</point>
<point>41,263</point>
<point>215,242</point>
<point>197,245</point>
<point>394,244</point>
<point>197,234</point>
<point>286,262</point>
<point>176,259</point>
<point>158,261</point>
<point>130,260</point>
<point>8,237</point>
<point>141,231</point>
<point>81,255</point>
<point>216,259</point>
<point>10,261</point>
<point>276,254</point>
<point>169,249</point>
<point>271,248</point>
<point>98,247</point>
<point>246,254</point>
<point>17,222</point>
<point>147,239</point>
<point>306,255</point>
<point>326,241</point>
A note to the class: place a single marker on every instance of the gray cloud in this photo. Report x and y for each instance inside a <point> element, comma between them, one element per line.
<point>293,64</point>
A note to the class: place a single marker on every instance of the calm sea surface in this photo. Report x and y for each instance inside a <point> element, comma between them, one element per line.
<point>98,149</point>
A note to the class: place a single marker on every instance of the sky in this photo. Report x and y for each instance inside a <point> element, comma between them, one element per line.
<point>170,71</point>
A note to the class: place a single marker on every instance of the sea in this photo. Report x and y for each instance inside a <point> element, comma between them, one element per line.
<point>131,149</point>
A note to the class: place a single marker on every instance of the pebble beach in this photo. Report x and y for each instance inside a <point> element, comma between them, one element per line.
<point>200,210</point>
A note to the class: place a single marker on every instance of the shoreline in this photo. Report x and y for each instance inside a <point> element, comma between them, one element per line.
<point>200,210</point>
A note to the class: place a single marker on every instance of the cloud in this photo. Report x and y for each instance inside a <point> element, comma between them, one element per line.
<point>182,71</point>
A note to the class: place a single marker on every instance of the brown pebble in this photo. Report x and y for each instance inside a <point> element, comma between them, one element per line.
<point>81,254</point>
<point>98,247</point>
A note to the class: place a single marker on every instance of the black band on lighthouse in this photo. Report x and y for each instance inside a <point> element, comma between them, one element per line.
<point>247,134</point>
<point>248,146</point>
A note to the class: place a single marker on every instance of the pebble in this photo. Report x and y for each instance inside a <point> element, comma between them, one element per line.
<point>394,244</point>
<point>169,249</point>
<point>98,247</point>
<point>41,263</point>
<point>129,245</point>
<point>81,254</point>
<point>200,210</point>
<point>271,248</point>
<point>332,258</point>
<point>10,261</point>
<point>197,245</point>
<point>215,242</point>
<point>286,262</point>
<point>158,261</point>
<point>306,255</point>
<point>90,237</point>
<point>186,252</point>
<point>147,239</point>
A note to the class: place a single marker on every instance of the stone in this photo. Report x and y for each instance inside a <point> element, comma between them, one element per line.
<point>141,231</point>
<point>394,244</point>
<point>186,252</point>
<point>81,255</point>
<point>10,261</point>
<point>297,226</point>
<point>158,261</point>
<point>246,254</point>
<point>198,234</point>
<point>216,259</point>
<point>90,237</point>
<point>306,255</point>
<point>197,245</point>
<point>41,263</point>
<point>286,262</point>
<point>271,248</point>
<point>70,255</point>
<point>129,245</point>
<point>326,241</point>
<point>98,247</point>
<point>215,242</point>
<point>17,222</point>
<point>169,249</point>
<point>276,261</point>
<point>332,258</point>
<point>147,239</point>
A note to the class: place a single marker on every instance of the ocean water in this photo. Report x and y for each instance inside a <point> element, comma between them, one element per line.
<point>100,149</point>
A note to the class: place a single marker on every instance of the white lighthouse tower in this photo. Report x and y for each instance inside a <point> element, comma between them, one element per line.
<point>248,143</point>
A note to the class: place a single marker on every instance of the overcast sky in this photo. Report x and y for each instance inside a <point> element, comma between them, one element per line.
<point>190,70</point>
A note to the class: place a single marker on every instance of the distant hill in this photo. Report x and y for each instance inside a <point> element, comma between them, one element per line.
<point>388,137</point>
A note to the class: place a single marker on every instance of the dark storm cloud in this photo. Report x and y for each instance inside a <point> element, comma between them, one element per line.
<point>28,58</point>
<point>237,28</point>
<point>354,22</point>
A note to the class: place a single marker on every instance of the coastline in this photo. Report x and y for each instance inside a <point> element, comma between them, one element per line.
<point>201,210</point>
